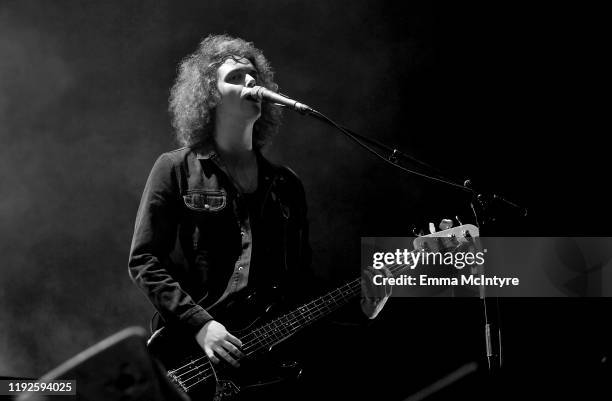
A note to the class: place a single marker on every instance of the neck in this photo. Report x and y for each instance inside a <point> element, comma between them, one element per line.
<point>234,137</point>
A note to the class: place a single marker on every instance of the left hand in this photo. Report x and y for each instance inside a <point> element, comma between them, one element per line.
<point>374,296</point>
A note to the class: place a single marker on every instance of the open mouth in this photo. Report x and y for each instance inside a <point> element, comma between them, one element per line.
<point>247,94</point>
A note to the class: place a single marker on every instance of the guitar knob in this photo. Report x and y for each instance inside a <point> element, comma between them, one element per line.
<point>288,364</point>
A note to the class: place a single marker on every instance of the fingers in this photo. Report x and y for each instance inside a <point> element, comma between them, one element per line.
<point>234,340</point>
<point>227,357</point>
<point>232,349</point>
<point>372,290</point>
<point>226,351</point>
<point>388,287</point>
<point>366,282</point>
<point>210,354</point>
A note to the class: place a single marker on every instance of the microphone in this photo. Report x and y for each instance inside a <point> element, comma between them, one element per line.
<point>266,95</point>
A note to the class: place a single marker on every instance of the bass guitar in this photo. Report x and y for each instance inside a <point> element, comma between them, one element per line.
<point>255,321</point>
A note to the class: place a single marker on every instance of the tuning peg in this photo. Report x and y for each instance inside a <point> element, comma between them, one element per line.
<point>432,228</point>
<point>417,233</point>
<point>445,224</point>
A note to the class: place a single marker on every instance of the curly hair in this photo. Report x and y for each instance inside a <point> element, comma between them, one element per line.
<point>194,95</point>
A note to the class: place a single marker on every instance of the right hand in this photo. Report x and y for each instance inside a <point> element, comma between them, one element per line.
<point>217,342</point>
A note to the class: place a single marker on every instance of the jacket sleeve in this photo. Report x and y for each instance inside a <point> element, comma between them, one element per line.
<point>154,238</point>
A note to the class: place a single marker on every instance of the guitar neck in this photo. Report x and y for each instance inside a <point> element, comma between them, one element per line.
<point>264,337</point>
<point>290,323</point>
<point>285,326</point>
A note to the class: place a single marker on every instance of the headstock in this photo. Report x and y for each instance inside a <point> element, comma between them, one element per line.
<point>448,237</point>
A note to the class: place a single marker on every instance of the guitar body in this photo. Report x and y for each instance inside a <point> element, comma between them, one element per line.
<point>189,368</point>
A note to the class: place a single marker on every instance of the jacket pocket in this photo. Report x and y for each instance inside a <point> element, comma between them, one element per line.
<point>205,201</point>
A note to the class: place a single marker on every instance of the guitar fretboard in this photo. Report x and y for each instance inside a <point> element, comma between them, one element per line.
<point>201,370</point>
<point>281,328</point>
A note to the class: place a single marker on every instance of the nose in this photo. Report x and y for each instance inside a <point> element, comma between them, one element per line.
<point>249,81</point>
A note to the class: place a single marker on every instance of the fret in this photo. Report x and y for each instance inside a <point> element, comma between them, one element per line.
<point>290,323</point>
<point>286,324</point>
<point>274,331</point>
<point>275,328</point>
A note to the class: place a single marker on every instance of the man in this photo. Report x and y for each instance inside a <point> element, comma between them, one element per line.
<point>216,218</point>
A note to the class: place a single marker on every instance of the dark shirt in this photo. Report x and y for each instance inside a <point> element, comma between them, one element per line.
<point>252,203</point>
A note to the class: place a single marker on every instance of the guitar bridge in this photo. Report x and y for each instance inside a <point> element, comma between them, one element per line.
<point>178,382</point>
<point>226,389</point>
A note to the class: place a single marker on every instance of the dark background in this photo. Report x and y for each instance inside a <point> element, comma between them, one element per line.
<point>507,95</point>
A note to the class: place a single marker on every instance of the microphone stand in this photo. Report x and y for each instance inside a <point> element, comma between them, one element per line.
<point>492,326</point>
<point>480,201</point>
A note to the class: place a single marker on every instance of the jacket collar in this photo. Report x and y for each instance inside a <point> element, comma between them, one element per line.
<point>208,152</point>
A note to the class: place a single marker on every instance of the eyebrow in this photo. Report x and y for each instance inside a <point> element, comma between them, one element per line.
<point>248,70</point>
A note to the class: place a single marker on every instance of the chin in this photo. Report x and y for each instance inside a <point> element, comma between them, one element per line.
<point>256,110</point>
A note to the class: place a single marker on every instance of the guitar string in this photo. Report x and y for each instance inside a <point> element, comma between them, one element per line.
<point>278,330</point>
<point>272,334</point>
<point>274,330</point>
<point>344,296</point>
<point>271,331</point>
<point>291,320</point>
<point>203,374</point>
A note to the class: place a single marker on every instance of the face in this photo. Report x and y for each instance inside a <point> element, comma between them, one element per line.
<point>234,78</point>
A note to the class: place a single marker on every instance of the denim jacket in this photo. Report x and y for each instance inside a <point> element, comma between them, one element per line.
<point>193,244</point>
